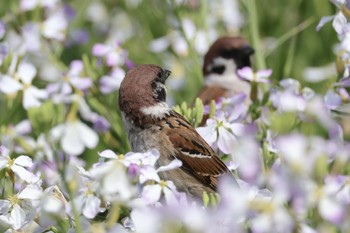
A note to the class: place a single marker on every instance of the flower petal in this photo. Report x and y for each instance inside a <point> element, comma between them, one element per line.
<point>109,154</point>
<point>226,140</point>
<point>23,161</point>
<point>81,83</point>
<point>24,174</point>
<point>26,72</point>
<point>9,85</point>
<point>100,50</point>
<point>32,96</point>
<point>246,73</point>
<point>148,173</point>
<point>71,141</point>
<point>31,192</point>
<point>151,193</point>
<point>323,21</point>
<point>88,136</point>
<point>172,165</point>
<point>91,206</point>
<point>17,217</point>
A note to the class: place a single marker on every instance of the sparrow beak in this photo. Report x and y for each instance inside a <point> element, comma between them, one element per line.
<point>247,50</point>
<point>164,75</point>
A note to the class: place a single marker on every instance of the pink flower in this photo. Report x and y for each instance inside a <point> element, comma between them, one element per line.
<point>260,76</point>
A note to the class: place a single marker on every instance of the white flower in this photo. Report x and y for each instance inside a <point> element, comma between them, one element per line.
<point>15,218</point>
<point>22,80</point>
<point>74,136</point>
<point>54,27</point>
<point>27,5</point>
<point>112,181</point>
<point>52,206</point>
<point>18,209</point>
<point>17,165</point>
<point>152,193</point>
<point>87,204</point>
<point>148,158</point>
<point>220,133</point>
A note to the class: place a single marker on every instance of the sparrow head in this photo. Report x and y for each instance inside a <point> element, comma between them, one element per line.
<point>227,49</point>
<point>142,93</point>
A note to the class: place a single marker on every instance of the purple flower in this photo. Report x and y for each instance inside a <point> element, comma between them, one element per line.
<point>101,124</point>
<point>332,100</point>
<point>112,82</point>
<point>344,82</point>
<point>74,77</point>
<point>69,12</point>
<point>114,54</point>
<point>2,29</point>
<point>4,51</point>
<point>133,170</point>
<point>248,158</point>
<point>77,37</point>
<point>260,76</point>
<point>287,101</point>
<point>233,108</point>
<point>332,210</point>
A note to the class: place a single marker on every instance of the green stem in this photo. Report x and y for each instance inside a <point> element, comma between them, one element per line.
<point>254,32</point>
<point>290,57</point>
<point>52,57</point>
<point>192,52</point>
<point>114,215</point>
<point>61,170</point>
<point>291,33</point>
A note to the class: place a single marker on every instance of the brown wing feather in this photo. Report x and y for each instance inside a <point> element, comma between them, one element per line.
<point>202,161</point>
<point>207,94</point>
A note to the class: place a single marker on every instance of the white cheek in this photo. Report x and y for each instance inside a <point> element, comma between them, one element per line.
<point>229,79</point>
<point>158,110</point>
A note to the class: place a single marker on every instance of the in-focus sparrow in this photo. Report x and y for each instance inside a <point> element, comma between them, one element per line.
<point>224,57</point>
<point>150,123</point>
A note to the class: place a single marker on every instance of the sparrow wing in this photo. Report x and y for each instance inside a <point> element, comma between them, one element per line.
<point>197,156</point>
<point>208,93</point>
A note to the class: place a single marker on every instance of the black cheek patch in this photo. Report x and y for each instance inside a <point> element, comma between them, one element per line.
<point>159,92</point>
<point>243,62</point>
<point>218,69</point>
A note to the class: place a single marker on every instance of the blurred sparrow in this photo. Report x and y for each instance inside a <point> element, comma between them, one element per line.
<point>221,62</point>
<point>150,123</point>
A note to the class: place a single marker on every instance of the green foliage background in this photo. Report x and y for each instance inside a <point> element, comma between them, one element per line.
<point>291,24</point>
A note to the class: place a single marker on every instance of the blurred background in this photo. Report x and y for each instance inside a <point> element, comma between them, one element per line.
<point>174,34</point>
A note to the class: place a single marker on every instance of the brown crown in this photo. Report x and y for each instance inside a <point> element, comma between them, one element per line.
<point>137,89</point>
<point>236,48</point>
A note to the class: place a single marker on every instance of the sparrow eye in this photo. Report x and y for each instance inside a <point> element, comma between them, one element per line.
<point>159,91</point>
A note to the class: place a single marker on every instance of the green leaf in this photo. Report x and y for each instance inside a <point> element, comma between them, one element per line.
<point>199,110</point>
<point>46,116</point>
<point>283,123</point>
<point>212,110</point>
<point>206,199</point>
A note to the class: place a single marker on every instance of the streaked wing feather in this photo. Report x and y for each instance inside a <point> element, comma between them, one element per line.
<point>202,161</point>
